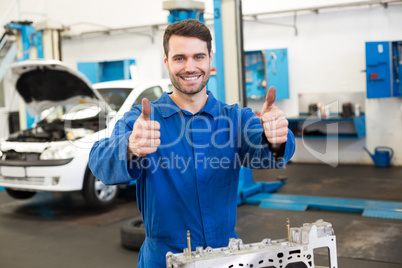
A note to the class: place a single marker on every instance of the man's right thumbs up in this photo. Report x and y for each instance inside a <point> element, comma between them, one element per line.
<point>146,109</point>
<point>273,120</point>
<point>144,139</point>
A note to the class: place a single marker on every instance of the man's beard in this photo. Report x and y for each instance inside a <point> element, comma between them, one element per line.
<point>177,85</point>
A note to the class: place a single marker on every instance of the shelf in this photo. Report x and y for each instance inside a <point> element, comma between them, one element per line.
<point>349,127</point>
<point>340,137</point>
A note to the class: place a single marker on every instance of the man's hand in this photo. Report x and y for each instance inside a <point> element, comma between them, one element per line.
<point>144,139</point>
<point>273,120</point>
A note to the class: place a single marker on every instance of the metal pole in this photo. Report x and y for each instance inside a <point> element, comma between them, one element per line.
<point>240,54</point>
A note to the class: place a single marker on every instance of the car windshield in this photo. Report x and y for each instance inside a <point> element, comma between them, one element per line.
<point>115,97</point>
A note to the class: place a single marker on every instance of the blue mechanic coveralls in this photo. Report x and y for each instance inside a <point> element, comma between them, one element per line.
<point>191,181</point>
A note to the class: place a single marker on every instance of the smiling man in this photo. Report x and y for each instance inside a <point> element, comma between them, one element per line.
<point>185,151</point>
<point>188,59</point>
<point>188,67</point>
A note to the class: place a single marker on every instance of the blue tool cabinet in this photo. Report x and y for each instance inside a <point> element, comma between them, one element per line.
<point>266,68</point>
<point>255,75</point>
<point>383,69</point>
<point>277,71</point>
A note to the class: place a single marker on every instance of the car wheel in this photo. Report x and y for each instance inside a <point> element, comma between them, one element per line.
<point>20,194</point>
<point>133,234</point>
<point>97,194</point>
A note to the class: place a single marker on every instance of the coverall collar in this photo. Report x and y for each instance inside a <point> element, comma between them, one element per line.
<point>211,107</point>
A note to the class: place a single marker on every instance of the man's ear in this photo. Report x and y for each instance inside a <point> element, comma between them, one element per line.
<point>211,56</point>
<point>165,60</point>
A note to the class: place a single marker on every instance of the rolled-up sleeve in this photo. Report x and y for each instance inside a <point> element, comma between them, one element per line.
<point>108,157</point>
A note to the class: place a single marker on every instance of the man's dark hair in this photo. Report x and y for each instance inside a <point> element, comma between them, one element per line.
<point>187,28</point>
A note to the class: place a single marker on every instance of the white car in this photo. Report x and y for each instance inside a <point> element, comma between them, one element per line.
<point>71,114</point>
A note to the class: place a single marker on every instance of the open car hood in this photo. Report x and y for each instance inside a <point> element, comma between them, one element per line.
<point>43,84</point>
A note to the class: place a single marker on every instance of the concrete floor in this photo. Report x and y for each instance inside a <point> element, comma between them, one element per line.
<point>58,230</point>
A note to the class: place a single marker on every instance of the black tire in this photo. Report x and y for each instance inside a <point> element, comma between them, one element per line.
<point>133,234</point>
<point>97,194</point>
<point>20,194</point>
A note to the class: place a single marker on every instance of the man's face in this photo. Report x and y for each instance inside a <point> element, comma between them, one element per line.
<point>188,64</point>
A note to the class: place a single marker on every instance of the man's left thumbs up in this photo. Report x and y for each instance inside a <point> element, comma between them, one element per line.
<point>273,120</point>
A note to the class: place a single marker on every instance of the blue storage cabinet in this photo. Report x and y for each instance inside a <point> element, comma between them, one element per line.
<point>255,74</point>
<point>277,71</point>
<point>396,68</point>
<point>383,69</point>
<point>106,70</point>
<point>266,68</point>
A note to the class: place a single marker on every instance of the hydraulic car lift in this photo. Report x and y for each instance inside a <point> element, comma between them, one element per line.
<point>249,188</point>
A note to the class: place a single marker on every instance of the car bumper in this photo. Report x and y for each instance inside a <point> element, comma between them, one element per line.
<point>54,175</point>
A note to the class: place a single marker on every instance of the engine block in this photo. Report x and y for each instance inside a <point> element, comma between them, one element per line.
<point>297,251</point>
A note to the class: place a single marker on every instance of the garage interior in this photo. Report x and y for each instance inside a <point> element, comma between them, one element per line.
<point>60,230</point>
<point>345,111</point>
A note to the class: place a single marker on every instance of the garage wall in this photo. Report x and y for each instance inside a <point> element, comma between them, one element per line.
<point>326,55</point>
<point>147,53</point>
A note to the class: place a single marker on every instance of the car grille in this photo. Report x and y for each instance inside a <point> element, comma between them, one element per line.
<point>25,181</point>
<point>13,155</point>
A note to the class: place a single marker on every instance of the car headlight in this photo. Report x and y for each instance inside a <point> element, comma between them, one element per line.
<point>64,151</point>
